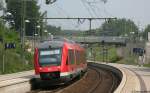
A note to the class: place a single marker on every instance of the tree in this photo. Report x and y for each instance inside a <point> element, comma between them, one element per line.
<point>29,9</point>
<point>118,27</point>
<point>145,33</point>
<point>54,30</point>
<point>1,5</point>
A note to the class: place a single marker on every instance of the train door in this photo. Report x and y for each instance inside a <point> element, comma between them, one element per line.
<point>71,62</point>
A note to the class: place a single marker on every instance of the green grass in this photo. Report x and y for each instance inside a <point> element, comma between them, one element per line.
<point>98,52</point>
<point>14,63</point>
<point>128,58</point>
<point>147,65</point>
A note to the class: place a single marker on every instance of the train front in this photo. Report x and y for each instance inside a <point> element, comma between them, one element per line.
<point>47,60</point>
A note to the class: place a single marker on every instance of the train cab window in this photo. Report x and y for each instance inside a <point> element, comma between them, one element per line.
<point>71,57</point>
<point>49,57</point>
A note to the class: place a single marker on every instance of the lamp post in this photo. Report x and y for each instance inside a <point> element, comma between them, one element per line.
<point>27,21</point>
<point>3,50</point>
<point>35,39</point>
<point>50,35</point>
<point>45,34</point>
<point>22,33</point>
<point>38,32</point>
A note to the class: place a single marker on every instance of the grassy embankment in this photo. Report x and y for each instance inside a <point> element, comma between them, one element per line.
<point>98,52</point>
<point>113,57</point>
<point>12,57</point>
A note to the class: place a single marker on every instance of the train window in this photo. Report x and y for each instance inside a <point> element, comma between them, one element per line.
<point>81,54</point>
<point>67,62</point>
<point>71,57</point>
<point>84,57</point>
<point>78,59</point>
<point>48,57</point>
<point>76,56</point>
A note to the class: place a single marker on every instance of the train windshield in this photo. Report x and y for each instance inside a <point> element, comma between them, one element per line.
<point>50,57</point>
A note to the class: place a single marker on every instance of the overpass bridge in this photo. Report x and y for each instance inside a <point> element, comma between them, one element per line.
<point>119,41</point>
<point>103,39</point>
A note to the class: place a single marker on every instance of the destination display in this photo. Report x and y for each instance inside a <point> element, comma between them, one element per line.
<point>49,52</point>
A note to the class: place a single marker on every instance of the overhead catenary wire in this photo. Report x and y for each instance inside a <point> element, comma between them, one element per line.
<point>86,7</point>
<point>61,12</point>
<point>93,5</point>
<point>65,14</point>
<point>91,10</point>
<point>106,12</point>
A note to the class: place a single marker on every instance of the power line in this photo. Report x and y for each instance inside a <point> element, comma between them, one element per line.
<point>83,2</point>
<point>92,9</point>
<point>65,13</point>
<point>106,12</point>
<point>76,18</point>
<point>59,12</point>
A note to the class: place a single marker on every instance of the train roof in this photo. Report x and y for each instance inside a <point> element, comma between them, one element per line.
<point>55,43</point>
<point>52,44</point>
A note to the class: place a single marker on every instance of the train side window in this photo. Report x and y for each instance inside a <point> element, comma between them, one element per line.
<point>79,53</point>
<point>84,56</point>
<point>67,62</point>
<point>71,57</point>
<point>79,57</point>
<point>76,54</point>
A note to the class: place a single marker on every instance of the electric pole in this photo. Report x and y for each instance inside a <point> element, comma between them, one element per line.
<point>23,28</point>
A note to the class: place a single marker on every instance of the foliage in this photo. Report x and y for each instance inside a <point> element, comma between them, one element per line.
<point>12,59</point>
<point>1,5</point>
<point>98,52</point>
<point>145,33</point>
<point>58,31</point>
<point>112,55</point>
<point>130,60</point>
<point>53,30</point>
<point>118,27</point>
<point>13,63</point>
<point>26,8</point>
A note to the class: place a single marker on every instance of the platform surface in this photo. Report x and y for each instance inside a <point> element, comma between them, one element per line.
<point>137,78</point>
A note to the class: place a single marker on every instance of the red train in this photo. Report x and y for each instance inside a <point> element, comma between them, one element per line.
<point>59,60</point>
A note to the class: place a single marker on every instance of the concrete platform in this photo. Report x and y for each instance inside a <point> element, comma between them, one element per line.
<point>26,74</point>
<point>16,82</point>
<point>135,79</point>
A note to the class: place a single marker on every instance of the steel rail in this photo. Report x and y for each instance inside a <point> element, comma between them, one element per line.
<point>98,84</point>
<point>114,83</point>
<point>99,81</point>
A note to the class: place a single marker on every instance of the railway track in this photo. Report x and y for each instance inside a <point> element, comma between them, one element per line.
<point>107,81</point>
<point>96,80</point>
<point>45,87</point>
<point>99,80</point>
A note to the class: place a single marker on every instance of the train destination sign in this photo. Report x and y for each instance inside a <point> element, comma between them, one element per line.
<point>49,52</point>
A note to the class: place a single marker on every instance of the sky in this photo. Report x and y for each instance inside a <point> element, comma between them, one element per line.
<point>136,10</point>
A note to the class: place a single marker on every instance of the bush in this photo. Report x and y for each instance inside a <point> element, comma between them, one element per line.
<point>13,58</point>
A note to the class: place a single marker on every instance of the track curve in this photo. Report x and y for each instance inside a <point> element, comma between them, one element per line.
<point>107,81</point>
<point>96,80</point>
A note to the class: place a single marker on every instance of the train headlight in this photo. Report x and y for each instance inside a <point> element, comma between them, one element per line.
<point>40,68</point>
